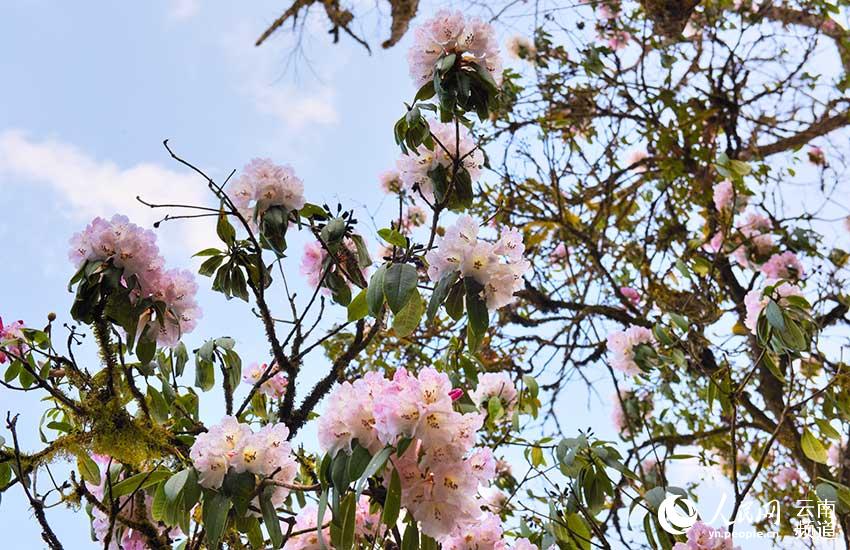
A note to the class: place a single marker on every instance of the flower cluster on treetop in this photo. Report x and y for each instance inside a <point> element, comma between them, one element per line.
<point>474,41</point>
<point>264,184</point>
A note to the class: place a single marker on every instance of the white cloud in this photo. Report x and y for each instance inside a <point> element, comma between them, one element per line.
<point>258,71</point>
<point>89,187</point>
<point>183,9</point>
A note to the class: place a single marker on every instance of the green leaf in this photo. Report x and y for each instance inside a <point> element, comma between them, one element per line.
<point>358,462</point>
<point>145,350</point>
<point>476,309</point>
<point>175,484</point>
<point>375,292</point>
<point>216,507</point>
<point>813,448</point>
<point>270,517</point>
<point>454,301</point>
<point>680,321</point>
<point>322,508</point>
<point>399,282</point>
<point>358,308</point>
<point>138,482</point>
<point>204,374</point>
<point>406,320</point>
<point>774,316</point>
<point>374,465</point>
<point>441,291</point>
<point>410,540</point>
<point>88,468</point>
<point>393,237</point>
<point>392,503</point>
<point>348,513</point>
<point>224,230</point>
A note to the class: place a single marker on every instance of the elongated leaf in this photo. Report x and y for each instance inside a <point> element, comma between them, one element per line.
<point>88,468</point>
<point>441,291</point>
<point>410,540</point>
<point>175,484</point>
<point>216,507</point>
<point>399,282</point>
<point>813,448</point>
<point>407,320</point>
<point>476,309</point>
<point>358,308</point>
<point>348,513</point>
<point>374,465</point>
<point>139,481</point>
<point>270,517</point>
<point>375,292</point>
<point>392,504</point>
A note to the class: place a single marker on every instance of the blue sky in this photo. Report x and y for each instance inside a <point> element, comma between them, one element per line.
<point>91,90</point>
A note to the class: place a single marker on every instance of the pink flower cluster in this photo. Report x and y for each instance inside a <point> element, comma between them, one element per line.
<point>787,477</point>
<point>783,266</point>
<point>366,524</point>
<point>122,537</point>
<point>758,241</point>
<point>9,335</point>
<point>474,41</point>
<point>725,199</point>
<point>439,472</point>
<point>461,250</point>
<point>313,261</point>
<point>630,294</point>
<point>755,301</point>
<point>491,385</point>
<point>274,387</point>
<point>264,184</point>
<point>640,407</point>
<point>704,537</point>
<point>134,250</point>
<point>413,168</point>
<point>483,534</point>
<point>390,181</point>
<point>231,444</point>
<point>520,47</point>
<point>622,344</point>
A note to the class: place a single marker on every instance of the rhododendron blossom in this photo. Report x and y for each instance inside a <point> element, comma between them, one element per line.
<point>703,537</point>
<point>755,230</point>
<point>414,167</point>
<point>233,445</point>
<point>134,250</point>
<point>520,47</point>
<point>9,335</point>
<point>484,534</point>
<point>264,184</point>
<point>637,408</point>
<point>461,250</point>
<point>622,346</point>
<point>177,288</point>
<point>439,473</point>
<point>121,242</point>
<point>274,387</point>
<point>817,156</point>
<point>783,266</point>
<point>630,294</point>
<point>755,301</point>
<point>473,40</point>
<point>617,40</point>
<point>725,198</point>
<point>787,477</point>
<point>120,536</point>
<point>494,385</point>
<point>390,181</point>
<point>559,253</point>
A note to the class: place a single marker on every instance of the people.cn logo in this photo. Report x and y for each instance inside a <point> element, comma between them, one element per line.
<point>672,518</point>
